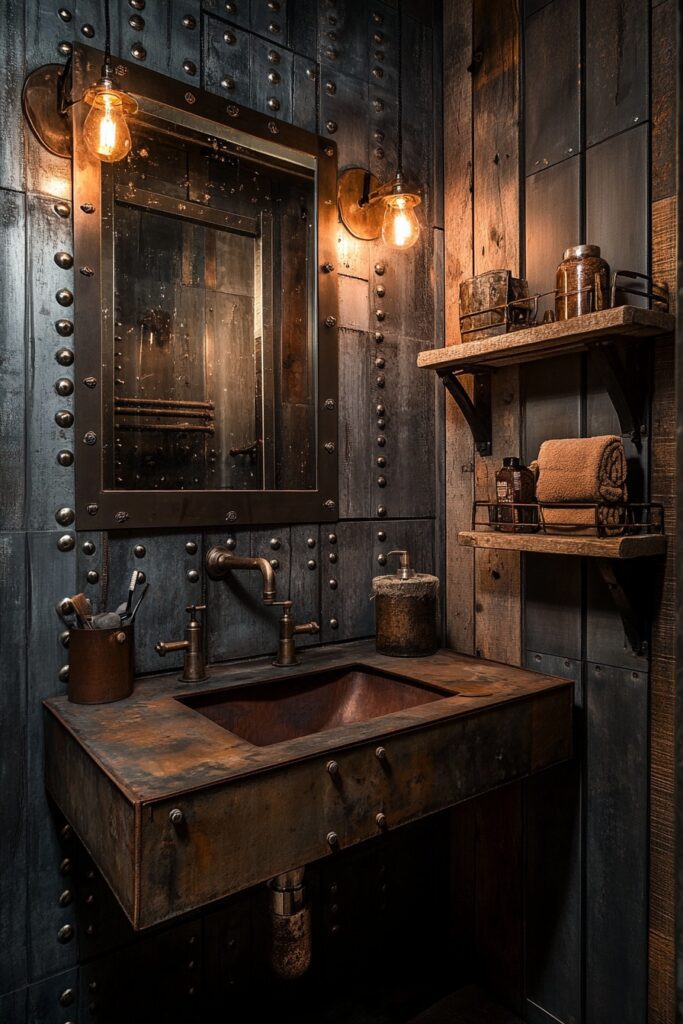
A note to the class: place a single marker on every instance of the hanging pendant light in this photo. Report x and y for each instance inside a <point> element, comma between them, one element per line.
<point>106,132</point>
<point>400,226</point>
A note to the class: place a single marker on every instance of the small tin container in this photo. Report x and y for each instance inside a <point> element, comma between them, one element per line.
<point>582,282</point>
<point>100,665</point>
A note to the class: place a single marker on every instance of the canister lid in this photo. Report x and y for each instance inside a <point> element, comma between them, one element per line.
<point>422,584</point>
<point>511,461</point>
<point>578,251</point>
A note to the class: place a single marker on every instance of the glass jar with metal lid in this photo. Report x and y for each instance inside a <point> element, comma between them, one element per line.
<point>582,282</point>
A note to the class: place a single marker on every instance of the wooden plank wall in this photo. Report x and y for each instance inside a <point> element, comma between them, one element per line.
<point>338,74</point>
<point>555,132</point>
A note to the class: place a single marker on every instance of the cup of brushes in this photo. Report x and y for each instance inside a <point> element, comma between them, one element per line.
<point>101,647</point>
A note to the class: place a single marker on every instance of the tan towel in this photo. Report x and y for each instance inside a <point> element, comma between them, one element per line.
<point>583,470</point>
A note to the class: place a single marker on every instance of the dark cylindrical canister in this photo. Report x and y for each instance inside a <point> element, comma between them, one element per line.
<point>582,282</point>
<point>405,615</point>
<point>100,665</point>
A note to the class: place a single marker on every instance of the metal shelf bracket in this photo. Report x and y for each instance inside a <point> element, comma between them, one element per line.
<point>634,620</point>
<point>477,411</point>
<point>626,382</point>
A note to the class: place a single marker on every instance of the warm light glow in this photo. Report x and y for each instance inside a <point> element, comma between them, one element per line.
<point>401,228</point>
<point>105,131</point>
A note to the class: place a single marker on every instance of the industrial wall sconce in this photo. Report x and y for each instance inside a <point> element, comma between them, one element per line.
<point>368,208</point>
<point>46,100</point>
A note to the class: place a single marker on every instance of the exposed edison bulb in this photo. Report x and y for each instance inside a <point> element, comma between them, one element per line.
<point>400,227</point>
<point>106,132</point>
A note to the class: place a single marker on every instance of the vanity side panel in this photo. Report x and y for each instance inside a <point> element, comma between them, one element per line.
<point>228,842</point>
<point>88,798</point>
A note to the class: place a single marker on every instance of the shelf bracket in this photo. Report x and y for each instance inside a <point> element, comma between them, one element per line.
<point>633,619</point>
<point>477,412</point>
<point>625,382</point>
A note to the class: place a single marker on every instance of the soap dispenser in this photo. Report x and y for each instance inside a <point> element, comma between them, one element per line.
<point>405,611</point>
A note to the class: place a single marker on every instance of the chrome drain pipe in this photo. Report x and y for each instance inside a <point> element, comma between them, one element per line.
<point>290,925</point>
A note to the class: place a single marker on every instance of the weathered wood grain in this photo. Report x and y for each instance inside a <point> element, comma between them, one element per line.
<point>588,547</point>
<point>12,45</point>
<point>663,101</point>
<point>12,362</point>
<point>552,115</point>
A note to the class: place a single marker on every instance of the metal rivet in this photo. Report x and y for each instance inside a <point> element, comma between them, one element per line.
<point>311,542</point>
<point>86,271</point>
<point>64,674</point>
<point>88,31</point>
<point>329,505</point>
<point>332,538</point>
<point>189,67</point>
<point>88,207</point>
<point>329,403</point>
<point>380,410</point>
<point>381,461</point>
<point>67,997</point>
<point>378,37</point>
<point>381,820</point>
<point>137,5</point>
<point>274,5</point>
<point>275,543</point>
<point>65,48</point>
<point>66,542</point>
<point>332,557</point>
<point>176,816</point>
<point>190,547</point>
<point>382,559</point>
<point>331,53</point>
<point>64,260</point>
<point>330,447</point>
<point>230,38</point>
<point>332,767</point>
<point>65,866</point>
<point>275,564</point>
<point>189,21</point>
<point>64,418</point>
<point>92,509</point>
<point>272,103</point>
<point>381,535</point>
<point>139,550</point>
<point>311,74</point>
<point>381,440</point>
<point>274,28</point>
<point>381,753</point>
<point>379,337</point>
<point>328,268</point>
<point>381,290</point>
<point>379,269</point>
<point>330,321</point>
<point>381,481</point>
<point>93,576</point>
<point>380,314</point>
<point>62,209</point>
<point>65,898</point>
<point>193,576</point>
<point>331,127</point>
<point>380,363</point>
<point>231,543</point>
<point>231,8</point>
<point>274,77</point>
<point>334,623</point>
<point>65,516</point>
<point>90,382</point>
<point>332,838</point>
<point>333,584</point>
<point>64,387</point>
<point>330,88</point>
<point>377,72</point>
<point>64,297</point>
<point>90,437</point>
<point>329,151</point>
<point>65,14</point>
<point>64,638</point>
<point>64,356</point>
<point>381,510</point>
<point>273,57</point>
<point>138,51</point>
<point>228,83</point>
<point>141,579</point>
<point>136,22</point>
<point>311,563</point>
<point>379,152</point>
<point>378,105</point>
<point>377,18</point>
<point>232,111</point>
<point>64,327</point>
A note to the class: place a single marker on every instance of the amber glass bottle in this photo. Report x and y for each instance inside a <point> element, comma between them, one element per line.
<point>515,484</point>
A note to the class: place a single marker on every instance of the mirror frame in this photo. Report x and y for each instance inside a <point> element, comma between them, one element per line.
<point>98,508</point>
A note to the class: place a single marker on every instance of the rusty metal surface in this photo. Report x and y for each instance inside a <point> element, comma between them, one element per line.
<point>178,812</point>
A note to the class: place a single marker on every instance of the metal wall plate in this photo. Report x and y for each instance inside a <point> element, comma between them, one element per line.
<point>40,103</point>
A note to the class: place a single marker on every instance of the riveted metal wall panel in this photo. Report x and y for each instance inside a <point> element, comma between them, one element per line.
<point>51,575</point>
<point>51,331</point>
<point>553,222</point>
<point>346,585</point>
<point>552,112</point>
<point>342,38</point>
<point>172,565</point>
<point>226,60</point>
<point>54,1000</point>
<point>305,78</point>
<point>617,67</point>
<point>616,845</point>
<point>12,46</point>
<point>13,362</point>
<point>14,1006</point>
<point>13,597</point>
<point>305,566</point>
<point>339,118</point>
<point>271,78</point>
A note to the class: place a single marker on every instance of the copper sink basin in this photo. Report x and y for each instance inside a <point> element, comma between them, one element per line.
<point>285,709</point>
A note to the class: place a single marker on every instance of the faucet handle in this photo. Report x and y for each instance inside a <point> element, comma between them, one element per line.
<point>193,609</point>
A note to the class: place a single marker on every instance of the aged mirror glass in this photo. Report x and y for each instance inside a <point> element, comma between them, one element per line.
<point>212,385</point>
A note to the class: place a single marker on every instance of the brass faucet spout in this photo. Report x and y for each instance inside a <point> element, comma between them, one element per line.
<point>220,561</point>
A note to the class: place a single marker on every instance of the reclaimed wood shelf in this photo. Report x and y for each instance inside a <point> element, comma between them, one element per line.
<point>467,1006</point>
<point>627,546</point>
<point>545,341</point>
<point>600,334</point>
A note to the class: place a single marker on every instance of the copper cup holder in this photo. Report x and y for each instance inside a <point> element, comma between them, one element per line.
<point>100,664</point>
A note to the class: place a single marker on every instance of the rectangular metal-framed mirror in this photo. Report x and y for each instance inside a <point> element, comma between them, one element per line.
<point>206,309</point>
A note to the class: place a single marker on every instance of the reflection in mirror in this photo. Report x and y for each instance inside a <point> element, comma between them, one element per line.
<point>213,375</point>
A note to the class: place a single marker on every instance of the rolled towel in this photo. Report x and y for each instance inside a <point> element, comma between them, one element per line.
<point>587,470</point>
